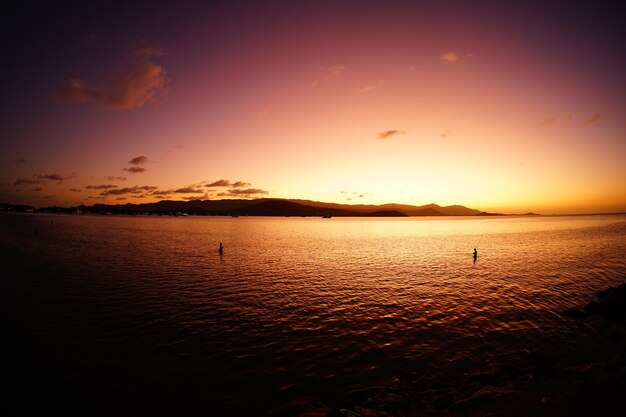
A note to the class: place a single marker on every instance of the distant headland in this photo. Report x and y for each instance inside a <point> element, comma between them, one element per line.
<point>259,207</point>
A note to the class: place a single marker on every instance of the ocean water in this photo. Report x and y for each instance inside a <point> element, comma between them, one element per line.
<point>141,315</point>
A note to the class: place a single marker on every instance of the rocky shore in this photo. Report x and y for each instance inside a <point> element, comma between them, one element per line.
<point>535,384</point>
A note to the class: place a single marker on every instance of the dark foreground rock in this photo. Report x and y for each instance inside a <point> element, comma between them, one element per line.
<point>611,304</point>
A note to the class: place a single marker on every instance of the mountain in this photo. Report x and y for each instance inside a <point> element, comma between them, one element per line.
<point>279,207</point>
<point>426,210</point>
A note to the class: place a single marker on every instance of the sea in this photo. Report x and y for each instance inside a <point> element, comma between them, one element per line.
<point>140,315</point>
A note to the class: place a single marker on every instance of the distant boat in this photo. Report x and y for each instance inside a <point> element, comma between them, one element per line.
<point>326,216</point>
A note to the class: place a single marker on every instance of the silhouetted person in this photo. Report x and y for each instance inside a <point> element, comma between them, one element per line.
<point>221,249</point>
<point>475,254</point>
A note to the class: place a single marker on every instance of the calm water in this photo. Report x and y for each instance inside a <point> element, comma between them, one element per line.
<point>141,314</point>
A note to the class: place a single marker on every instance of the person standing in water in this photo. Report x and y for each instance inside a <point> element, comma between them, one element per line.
<point>221,249</point>
<point>475,254</point>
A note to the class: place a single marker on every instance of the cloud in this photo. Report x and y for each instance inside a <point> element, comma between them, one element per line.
<point>593,119</point>
<point>372,86</point>
<point>134,170</point>
<point>129,190</point>
<point>449,57</point>
<point>247,192</point>
<point>354,194</point>
<point>113,178</point>
<point>389,133</point>
<point>334,71</point>
<point>548,121</point>
<point>219,183</point>
<point>132,88</point>
<point>445,134</point>
<point>75,190</point>
<point>53,177</point>
<point>138,160</point>
<point>101,187</point>
<point>36,189</point>
<point>149,51</point>
<point>120,198</point>
<point>314,83</point>
<point>162,193</point>
<point>21,181</point>
<point>227,183</point>
<point>188,190</point>
<point>20,161</point>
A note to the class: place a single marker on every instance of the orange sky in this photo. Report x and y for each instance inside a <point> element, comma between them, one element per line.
<point>507,109</point>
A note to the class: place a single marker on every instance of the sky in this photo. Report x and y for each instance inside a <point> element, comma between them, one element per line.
<point>500,106</point>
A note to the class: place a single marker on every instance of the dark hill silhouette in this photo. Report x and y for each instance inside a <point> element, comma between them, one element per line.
<point>426,210</point>
<point>278,207</point>
<point>281,207</point>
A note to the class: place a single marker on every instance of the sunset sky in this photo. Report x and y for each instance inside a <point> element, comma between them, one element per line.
<point>499,106</point>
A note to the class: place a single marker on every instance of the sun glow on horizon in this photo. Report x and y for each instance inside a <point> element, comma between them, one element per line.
<point>319,106</point>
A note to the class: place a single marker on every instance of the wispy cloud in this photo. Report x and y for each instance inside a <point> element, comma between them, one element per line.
<point>389,133</point>
<point>445,134</point>
<point>593,119</point>
<point>334,71</point>
<point>20,161</point>
<point>354,194</point>
<point>548,121</point>
<point>53,177</point>
<point>240,184</point>
<point>101,187</point>
<point>113,178</point>
<point>373,86</point>
<point>248,192</point>
<point>219,183</point>
<point>75,190</point>
<point>134,169</point>
<point>162,193</point>
<point>450,57</point>
<point>131,88</point>
<point>21,181</point>
<point>138,160</point>
<point>149,51</point>
<point>188,190</point>
<point>129,190</point>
